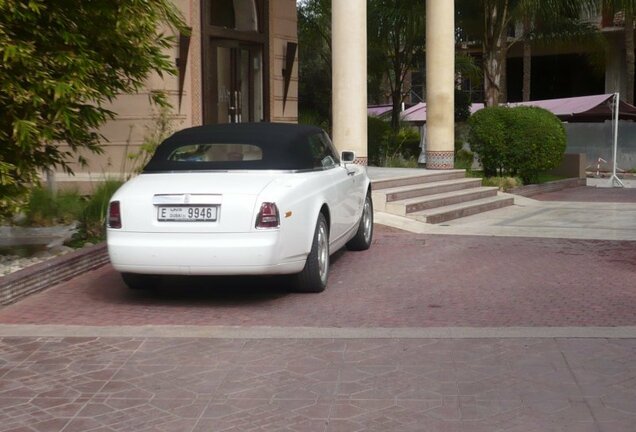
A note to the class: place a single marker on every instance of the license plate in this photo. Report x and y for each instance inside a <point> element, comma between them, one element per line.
<point>187,214</point>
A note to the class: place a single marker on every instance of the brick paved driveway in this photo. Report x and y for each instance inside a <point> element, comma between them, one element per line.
<point>196,384</point>
<point>404,280</point>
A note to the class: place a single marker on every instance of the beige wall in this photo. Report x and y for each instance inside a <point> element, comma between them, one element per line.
<point>283,28</point>
<point>136,117</point>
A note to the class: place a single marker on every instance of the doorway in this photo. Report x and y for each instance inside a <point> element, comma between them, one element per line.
<point>236,82</point>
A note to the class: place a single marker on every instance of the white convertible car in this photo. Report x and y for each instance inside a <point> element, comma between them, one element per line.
<point>241,199</point>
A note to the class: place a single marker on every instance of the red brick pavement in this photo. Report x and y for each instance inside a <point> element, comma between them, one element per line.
<point>404,280</point>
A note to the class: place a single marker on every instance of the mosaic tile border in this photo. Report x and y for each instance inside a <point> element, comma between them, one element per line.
<point>440,159</point>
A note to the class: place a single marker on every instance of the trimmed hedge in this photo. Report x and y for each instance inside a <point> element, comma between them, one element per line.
<point>519,141</point>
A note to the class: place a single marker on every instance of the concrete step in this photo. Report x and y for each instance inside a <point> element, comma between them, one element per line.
<point>429,177</point>
<point>456,211</point>
<point>412,191</point>
<point>412,205</point>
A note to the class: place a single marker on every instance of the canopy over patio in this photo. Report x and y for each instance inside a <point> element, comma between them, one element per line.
<point>597,108</point>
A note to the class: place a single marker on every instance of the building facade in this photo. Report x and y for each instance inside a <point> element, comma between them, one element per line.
<point>239,64</point>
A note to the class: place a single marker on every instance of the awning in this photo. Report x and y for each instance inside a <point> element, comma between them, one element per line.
<point>378,110</point>
<point>596,108</point>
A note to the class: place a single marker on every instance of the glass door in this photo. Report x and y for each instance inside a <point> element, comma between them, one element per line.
<point>236,83</point>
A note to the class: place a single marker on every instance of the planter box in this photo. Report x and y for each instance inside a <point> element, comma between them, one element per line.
<point>38,277</point>
<point>530,190</point>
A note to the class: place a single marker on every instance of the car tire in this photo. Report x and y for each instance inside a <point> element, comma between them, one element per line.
<point>313,277</point>
<point>136,281</point>
<point>362,240</point>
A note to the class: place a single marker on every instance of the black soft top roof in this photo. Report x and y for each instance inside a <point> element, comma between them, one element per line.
<point>284,147</point>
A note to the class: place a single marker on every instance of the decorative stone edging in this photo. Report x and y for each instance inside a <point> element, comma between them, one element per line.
<point>553,186</point>
<point>32,279</point>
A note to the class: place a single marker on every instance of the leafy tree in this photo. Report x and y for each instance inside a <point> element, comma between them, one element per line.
<point>62,61</point>
<point>396,34</point>
<point>628,7</point>
<point>314,41</point>
<point>549,22</point>
<point>489,21</point>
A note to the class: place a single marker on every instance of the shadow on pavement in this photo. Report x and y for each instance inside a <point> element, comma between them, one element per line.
<point>206,291</point>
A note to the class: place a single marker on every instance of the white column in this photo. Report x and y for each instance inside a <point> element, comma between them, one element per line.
<point>349,76</point>
<point>440,84</point>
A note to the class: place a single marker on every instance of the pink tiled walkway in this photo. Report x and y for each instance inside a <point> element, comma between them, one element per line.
<point>203,385</point>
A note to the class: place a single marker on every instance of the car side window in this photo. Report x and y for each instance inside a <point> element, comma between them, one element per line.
<point>322,152</point>
<point>331,148</point>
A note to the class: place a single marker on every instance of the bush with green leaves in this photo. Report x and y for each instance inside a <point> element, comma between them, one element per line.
<point>385,146</point>
<point>93,218</point>
<point>464,159</point>
<point>63,62</point>
<point>487,138</point>
<point>462,105</point>
<point>519,141</point>
<point>378,132</point>
<point>45,208</point>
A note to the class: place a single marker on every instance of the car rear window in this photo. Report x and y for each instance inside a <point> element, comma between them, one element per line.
<point>216,152</point>
<point>251,146</point>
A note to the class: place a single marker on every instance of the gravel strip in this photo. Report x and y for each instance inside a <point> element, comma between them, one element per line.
<point>13,263</point>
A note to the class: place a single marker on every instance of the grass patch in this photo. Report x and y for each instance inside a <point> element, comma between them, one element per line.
<point>507,183</point>
<point>92,221</point>
<point>503,183</point>
<point>45,208</point>
<point>399,161</point>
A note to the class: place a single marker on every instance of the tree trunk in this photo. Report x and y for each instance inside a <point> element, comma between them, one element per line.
<point>527,70</point>
<point>527,61</point>
<point>629,55</point>
<point>493,75</point>
<point>495,50</point>
<point>396,100</point>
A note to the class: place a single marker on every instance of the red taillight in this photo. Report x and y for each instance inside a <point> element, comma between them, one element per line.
<point>268,216</point>
<point>114,215</point>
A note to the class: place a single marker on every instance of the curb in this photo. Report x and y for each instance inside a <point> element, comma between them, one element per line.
<point>38,277</point>
<point>553,186</point>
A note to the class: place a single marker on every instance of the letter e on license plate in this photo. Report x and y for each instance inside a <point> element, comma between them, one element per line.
<point>187,214</point>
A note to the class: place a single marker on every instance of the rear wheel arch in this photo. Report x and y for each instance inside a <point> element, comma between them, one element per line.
<point>324,210</point>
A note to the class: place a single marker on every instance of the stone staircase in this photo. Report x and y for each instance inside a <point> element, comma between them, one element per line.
<point>435,196</point>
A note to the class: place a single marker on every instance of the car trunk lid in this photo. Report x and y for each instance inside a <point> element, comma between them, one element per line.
<point>192,202</point>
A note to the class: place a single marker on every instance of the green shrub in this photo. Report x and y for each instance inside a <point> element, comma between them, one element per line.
<point>462,105</point>
<point>520,141</point>
<point>44,208</point>
<point>385,146</point>
<point>464,159</point>
<point>538,142</point>
<point>487,138</point>
<point>406,143</point>
<point>378,132</point>
<point>313,118</point>
<point>93,219</point>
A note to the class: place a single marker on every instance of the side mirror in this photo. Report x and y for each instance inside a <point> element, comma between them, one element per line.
<point>348,156</point>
